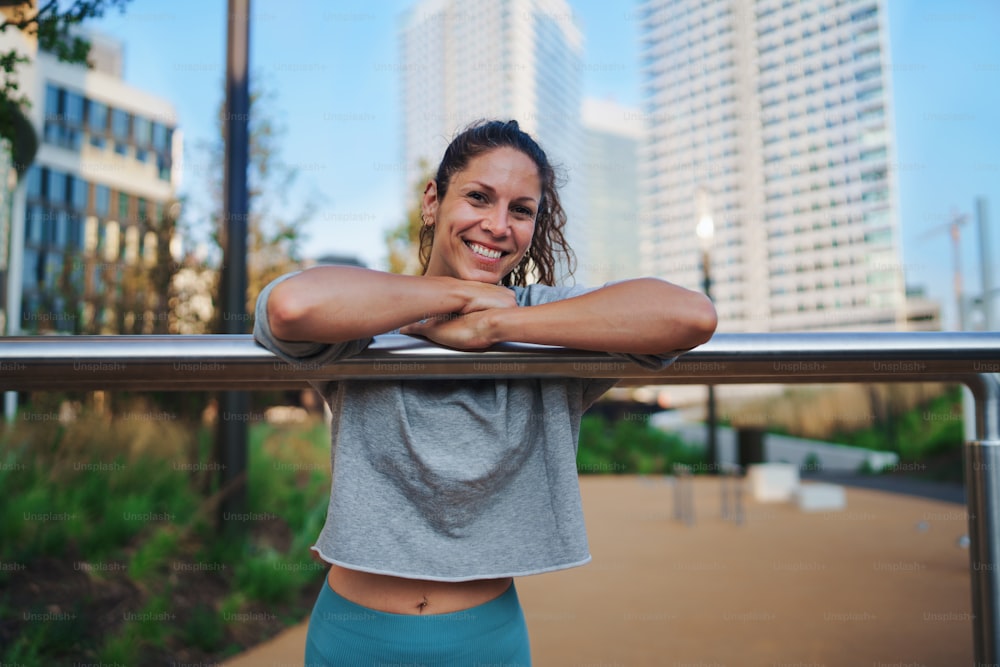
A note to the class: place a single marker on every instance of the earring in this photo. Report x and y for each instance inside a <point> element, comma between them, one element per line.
<point>424,219</point>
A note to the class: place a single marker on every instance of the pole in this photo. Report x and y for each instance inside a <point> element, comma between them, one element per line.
<point>231,441</point>
<point>986,263</point>
<point>15,275</point>
<point>982,461</point>
<point>711,447</point>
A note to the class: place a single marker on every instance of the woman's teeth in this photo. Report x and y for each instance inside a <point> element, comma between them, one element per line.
<point>484,251</point>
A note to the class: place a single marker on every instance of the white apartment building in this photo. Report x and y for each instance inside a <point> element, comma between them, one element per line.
<point>612,134</point>
<point>107,165</point>
<point>778,112</point>
<point>466,60</point>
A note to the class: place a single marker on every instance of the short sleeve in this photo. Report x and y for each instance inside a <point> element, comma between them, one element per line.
<point>535,295</point>
<point>298,352</point>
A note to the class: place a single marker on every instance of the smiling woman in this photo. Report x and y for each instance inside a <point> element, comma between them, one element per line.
<point>445,491</point>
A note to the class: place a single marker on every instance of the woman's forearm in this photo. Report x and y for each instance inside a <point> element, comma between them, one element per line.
<point>331,304</point>
<point>641,316</point>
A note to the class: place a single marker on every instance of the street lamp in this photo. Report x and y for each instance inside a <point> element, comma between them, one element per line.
<point>706,235</point>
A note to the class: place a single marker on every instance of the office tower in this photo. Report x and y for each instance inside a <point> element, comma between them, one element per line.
<point>612,134</point>
<point>773,119</point>
<point>466,60</point>
<point>96,197</point>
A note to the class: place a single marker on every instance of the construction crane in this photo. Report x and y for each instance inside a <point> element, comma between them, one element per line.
<point>954,227</point>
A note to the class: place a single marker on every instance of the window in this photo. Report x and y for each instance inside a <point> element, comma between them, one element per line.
<point>34,182</point>
<point>102,200</point>
<point>56,190</point>
<point>163,167</point>
<point>33,225</point>
<point>873,154</point>
<point>78,191</point>
<point>60,230</point>
<point>29,275</point>
<point>863,14</point>
<point>870,73</point>
<point>120,125</point>
<point>875,195</point>
<point>123,206</point>
<point>53,109</point>
<point>73,114</point>
<point>873,113</point>
<point>142,131</point>
<point>97,118</point>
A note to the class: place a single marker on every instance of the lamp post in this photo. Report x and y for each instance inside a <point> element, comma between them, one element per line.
<point>706,235</point>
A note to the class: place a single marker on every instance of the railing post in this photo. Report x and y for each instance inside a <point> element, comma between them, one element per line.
<point>231,435</point>
<point>982,489</point>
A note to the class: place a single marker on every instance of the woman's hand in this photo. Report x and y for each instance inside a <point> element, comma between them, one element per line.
<point>461,332</point>
<point>483,296</point>
<point>469,328</point>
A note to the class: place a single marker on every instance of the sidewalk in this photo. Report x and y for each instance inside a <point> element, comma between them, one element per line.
<point>881,583</point>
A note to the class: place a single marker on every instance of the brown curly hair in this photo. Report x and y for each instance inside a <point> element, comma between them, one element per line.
<point>548,241</point>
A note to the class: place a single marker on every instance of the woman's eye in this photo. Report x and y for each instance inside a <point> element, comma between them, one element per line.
<point>524,212</point>
<point>478,196</point>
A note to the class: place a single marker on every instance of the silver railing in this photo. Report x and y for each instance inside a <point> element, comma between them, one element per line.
<point>236,362</point>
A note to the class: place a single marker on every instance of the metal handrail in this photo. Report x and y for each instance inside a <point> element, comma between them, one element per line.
<point>236,362</point>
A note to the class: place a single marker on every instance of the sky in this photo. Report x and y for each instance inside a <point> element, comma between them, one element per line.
<point>332,70</point>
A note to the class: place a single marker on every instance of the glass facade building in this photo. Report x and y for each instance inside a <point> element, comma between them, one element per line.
<point>95,202</point>
<point>779,112</point>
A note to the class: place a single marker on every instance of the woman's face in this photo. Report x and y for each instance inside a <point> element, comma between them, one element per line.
<point>484,223</point>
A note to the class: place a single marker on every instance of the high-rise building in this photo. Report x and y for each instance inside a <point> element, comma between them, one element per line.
<point>96,197</point>
<point>612,134</point>
<point>466,60</point>
<point>773,119</point>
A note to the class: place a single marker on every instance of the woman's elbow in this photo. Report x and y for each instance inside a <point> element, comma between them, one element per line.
<point>702,320</point>
<point>692,321</point>
<point>285,312</point>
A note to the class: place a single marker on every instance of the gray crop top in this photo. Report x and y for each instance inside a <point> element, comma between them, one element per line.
<point>452,480</point>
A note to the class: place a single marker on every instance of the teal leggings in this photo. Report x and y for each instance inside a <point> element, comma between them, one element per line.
<point>342,633</point>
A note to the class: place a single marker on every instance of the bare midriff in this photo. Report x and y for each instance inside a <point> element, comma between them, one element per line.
<point>398,595</point>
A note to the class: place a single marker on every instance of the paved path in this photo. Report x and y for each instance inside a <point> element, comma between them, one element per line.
<point>881,584</point>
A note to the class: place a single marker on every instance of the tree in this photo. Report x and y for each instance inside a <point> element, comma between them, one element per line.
<point>275,239</point>
<point>403,241</point>
<point>54,27</point>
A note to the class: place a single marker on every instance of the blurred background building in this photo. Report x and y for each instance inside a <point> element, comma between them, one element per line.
<point>465,60</point>
<point>97,200</point>
<point>780,114</point>
<point>611,176</point>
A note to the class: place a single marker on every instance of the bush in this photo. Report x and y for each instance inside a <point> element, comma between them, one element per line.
<point>134,491</point>
<point>631,447</point>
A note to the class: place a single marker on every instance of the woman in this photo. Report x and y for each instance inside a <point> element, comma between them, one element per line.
<point>444,490</point>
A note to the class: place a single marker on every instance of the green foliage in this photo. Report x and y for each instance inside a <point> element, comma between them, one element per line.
<point>97,490</point>
<point>150,561</point>
<point>204,629</point>
<point>630,447</point>
<point>920,433</point>
<point>272,578</point>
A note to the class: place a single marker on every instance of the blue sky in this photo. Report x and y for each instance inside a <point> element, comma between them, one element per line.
<point>333,70</point>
